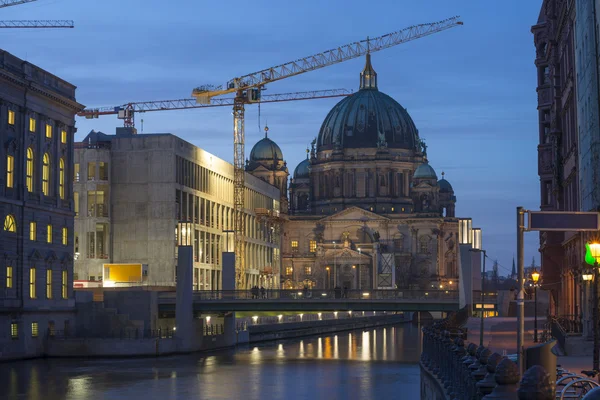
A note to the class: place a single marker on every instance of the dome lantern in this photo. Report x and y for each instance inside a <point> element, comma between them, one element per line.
<point>368,76</point>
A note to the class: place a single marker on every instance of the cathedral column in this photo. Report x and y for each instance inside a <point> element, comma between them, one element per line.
<point>406,183</point>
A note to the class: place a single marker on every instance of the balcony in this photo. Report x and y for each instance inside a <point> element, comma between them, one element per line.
<point>98,210</point>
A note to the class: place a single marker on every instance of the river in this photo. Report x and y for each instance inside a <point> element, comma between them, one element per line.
<point>370,364</point>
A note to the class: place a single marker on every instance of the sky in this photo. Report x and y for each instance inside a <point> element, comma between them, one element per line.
<point>470,90</point>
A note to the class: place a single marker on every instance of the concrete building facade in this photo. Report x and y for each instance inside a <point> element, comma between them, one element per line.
<point>558,151</point>
<point>140,196</point>
<point>37,125</point>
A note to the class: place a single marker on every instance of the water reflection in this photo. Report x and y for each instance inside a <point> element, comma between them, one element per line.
<point>353,365</point>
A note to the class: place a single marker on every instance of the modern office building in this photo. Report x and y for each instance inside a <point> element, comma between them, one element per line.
<point>138,196</point>
<point>37,111</point>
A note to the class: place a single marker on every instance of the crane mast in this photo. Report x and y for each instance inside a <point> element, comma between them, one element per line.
<point>245,86</point>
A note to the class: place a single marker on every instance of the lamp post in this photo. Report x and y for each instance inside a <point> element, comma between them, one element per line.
<point>334,265</point>
<point>592,256</point>
<point>587,277</point>
<point>535,277</point>
<point>482,294</point>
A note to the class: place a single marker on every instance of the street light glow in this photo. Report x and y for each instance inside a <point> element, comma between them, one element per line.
<point>535,276</point>
<point>586,277</point>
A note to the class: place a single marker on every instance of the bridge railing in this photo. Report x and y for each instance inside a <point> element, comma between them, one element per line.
<point>318,294</point>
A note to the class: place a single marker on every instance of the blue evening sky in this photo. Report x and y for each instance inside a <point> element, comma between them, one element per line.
<point>470,90</point>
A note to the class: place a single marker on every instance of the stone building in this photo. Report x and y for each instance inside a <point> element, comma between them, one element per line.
<point>558,151</point>
<point>138,196</point>
<point>37,111</point>
<point>366,209</point>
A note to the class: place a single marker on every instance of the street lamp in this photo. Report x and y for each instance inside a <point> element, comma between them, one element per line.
<point>482,294</point>
<point>328,278</point>
<point>535,277</point>
<point>592,256</point>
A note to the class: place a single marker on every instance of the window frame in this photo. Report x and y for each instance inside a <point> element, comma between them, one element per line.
<point>64,284</point>
<point>49,233</point>
<point>48,131</point>
<point>32,124</point>
<point>32,231</point>
<point>14,330</point>
<point>64,136</point>
<point>49,284</point>
<point>32,283</point>
<point>9,277</point>
<point>46,174</point>
<point>61,178</point>
<point>11,117</point>
<point>65,236</point>
<point>29,170</point>
<point>10,171</point>
<point>35,329</point>
<point>10,223</point>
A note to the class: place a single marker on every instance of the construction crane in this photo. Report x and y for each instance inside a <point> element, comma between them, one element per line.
<point>127,111</point>
<point>31,23</point>
<point>247,89</point>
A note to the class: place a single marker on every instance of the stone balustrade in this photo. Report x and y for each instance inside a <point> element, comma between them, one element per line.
<point>453,369</point>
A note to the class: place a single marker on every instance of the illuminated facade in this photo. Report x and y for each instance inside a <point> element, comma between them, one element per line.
<point>37,125</point>
<point>366,210</point>
<point>139,196</point>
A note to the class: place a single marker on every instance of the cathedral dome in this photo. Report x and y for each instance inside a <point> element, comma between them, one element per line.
<point>266,150</point>
<point>424,171</point>
<point>368,119</point>
<point>444,185</point>
<point>302,171</point>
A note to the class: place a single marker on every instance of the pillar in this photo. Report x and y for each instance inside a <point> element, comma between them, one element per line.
<point>184,313</point>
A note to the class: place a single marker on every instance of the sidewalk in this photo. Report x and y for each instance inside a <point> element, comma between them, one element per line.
<point>500,336</point>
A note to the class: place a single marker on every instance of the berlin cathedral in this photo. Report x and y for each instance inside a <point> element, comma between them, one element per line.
<point>365,208</point>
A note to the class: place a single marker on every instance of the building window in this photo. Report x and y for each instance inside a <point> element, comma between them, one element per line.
<point>10,171</point>
<point>76,172</point>
<point>65,236</point>
<point>312,246</point>
<point>61,178</point>
<point>46,174</point>
<point>289,271</point>
<point>14,330</point>
<point>64,286</point>
<point>49,233</point>
<point>11,117</point>
<point>91,171</point>
<point>32,283</point>
<point>10,225</point>
<point>76,202</point>
<point>32,231</point>
<point>29,170</point>
<point>48,131</point>
<point>31,124</point>
<point>308,270</point>
<point>294,245</point>
<point>103,171</point>
<point>34,329</point>
<point>48,283</point>
<point>424,246</point>
<point>9,277</point>
<point>63,136</point>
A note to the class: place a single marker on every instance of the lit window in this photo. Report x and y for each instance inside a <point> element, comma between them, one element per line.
<point>48,283</point>
<point>32,283</point>
<point>49,233</point>
<point>65,236</point>
<point>31,124</point>
<point>9,277</point>
<point>46,174</point>
<point>10,225</point>
<point>65,292</point>
<point>48,131</point>
<point>14,330</point>
<point>32,231</point>
<point>424,246</point>
<point>34,329</point>
<point>29,170</point>
<point>10,171</point>
<point>312,246</point>
<point>289,270</point>
<point>11,117</point>
<point>61,178</point>
<point>307,270</point>
<point>294,245</point>
<point>63,136</point>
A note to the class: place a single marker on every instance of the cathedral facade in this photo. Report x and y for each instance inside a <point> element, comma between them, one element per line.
<point>365,208</point>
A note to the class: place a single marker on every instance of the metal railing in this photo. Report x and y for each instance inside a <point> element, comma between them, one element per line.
<point>319,294</point>
<point>570,323</point>
<point>125,333</point>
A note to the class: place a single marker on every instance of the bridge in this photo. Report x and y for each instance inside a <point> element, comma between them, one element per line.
<point>206,301</point>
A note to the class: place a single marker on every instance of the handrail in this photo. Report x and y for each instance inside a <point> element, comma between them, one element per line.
<point>319,294</point>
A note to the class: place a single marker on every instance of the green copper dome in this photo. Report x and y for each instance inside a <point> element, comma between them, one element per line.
<point>424,171</point>
<point>368,119</point>
<point>266,150</point>
<point>302,171</point>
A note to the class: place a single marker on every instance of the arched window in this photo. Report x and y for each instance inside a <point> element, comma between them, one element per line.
<point>10,225</point>
<point>61,178</point>
<point>46,174</point>
<point>29,172</point>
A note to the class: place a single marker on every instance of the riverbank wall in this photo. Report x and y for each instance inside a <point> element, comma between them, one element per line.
<point>262,333</point>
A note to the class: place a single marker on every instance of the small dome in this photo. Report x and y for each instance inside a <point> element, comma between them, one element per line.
<point>302,171</point>
<point>445,186</point>
<point>266,150</point>
<point>424,171</point>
